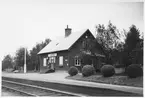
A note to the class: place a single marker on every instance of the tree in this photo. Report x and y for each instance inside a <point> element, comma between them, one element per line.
<point>35,63</point>
<point>137,53</point>
<point>47,41</point>
<point>133,42</point>
<point>19,58</point>
<point>109,39</point>
<point>7,62</point>
<point>132,38</point>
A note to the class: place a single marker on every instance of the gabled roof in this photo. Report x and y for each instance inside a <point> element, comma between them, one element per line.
<point>63,44</point>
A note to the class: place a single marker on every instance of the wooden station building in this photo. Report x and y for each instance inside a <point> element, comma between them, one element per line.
<point>63,53</point>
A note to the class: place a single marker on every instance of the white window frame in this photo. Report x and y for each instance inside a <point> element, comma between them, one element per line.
<point>77,61</point>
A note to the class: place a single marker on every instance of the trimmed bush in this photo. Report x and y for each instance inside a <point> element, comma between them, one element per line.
<point>107,70</point>
<point>73,71</point>
<point>134,70</point>
<point>88,70</point>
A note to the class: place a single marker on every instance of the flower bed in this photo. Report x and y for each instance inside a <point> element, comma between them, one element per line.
<point>119,70</point>
<point>116,79</point>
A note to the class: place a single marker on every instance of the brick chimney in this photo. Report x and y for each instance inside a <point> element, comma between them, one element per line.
<point>67,31</point>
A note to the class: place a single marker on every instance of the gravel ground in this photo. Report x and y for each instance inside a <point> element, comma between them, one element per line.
<point>8,93</point>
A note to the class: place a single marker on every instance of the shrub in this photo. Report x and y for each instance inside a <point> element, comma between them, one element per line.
<point>107,70</point>
<point>88,70</point>
<point>72,71</point>
<point>134,70</point>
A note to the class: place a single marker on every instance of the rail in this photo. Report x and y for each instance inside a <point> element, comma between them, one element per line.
<point>64,93</point>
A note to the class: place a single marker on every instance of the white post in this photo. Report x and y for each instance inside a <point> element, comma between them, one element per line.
<point>25,69</point>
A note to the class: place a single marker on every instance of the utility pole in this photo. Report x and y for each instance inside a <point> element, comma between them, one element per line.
<point>25,69</point>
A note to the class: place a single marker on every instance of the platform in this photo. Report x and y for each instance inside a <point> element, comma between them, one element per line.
<point>59,77</point>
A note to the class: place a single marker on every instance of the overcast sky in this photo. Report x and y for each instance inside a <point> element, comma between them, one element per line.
<point>26,22</point>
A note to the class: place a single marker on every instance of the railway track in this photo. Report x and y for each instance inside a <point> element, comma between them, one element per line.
<point>33,90</point>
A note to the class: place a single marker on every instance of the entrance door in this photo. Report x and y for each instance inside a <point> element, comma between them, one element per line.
<point>61,61</point>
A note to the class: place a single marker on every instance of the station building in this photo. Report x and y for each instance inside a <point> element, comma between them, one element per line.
<point>64,53</point>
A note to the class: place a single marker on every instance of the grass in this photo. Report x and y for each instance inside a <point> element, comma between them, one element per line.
<point>116,79</point>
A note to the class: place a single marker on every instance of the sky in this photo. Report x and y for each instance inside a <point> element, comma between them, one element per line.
<point>23,23</point>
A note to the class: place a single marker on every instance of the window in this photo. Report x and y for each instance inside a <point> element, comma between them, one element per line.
<point>77,61</point>
<point>44,61</point>
<point>61,61</point>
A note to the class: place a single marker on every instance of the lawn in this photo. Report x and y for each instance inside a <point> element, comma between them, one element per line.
<point>116,79</point>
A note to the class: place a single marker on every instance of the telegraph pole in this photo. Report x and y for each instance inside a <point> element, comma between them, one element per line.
<point>25,69</point>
